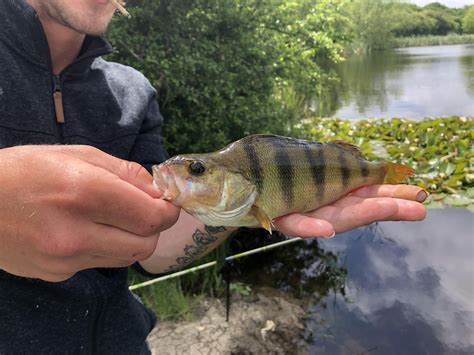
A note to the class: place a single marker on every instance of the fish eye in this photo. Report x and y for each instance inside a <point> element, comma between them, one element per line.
<point>197,168</point>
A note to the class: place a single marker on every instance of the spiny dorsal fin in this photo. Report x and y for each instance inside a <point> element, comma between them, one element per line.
<point>349,147</point>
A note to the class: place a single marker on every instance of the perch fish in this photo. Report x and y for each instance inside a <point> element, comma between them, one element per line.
<point>261,177</point>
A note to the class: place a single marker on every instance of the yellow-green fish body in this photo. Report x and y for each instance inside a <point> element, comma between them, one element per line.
<point>260,177</point>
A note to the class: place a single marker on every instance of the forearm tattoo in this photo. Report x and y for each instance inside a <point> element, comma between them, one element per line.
<point>202,240</point>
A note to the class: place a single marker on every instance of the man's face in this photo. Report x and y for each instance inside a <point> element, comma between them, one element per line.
<point>84,16</point>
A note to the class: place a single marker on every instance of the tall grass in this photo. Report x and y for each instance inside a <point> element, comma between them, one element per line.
<point>175,299</point>
<point>168,300</point>
<point>433,40</point>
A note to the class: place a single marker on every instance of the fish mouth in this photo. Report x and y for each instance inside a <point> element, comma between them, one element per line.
<point>164,180</point>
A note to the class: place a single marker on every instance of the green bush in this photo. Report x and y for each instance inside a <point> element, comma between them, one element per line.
<point>468,21</point>
<point>220,66</point>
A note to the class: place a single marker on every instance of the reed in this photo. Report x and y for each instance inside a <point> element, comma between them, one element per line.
<point>420,41</point>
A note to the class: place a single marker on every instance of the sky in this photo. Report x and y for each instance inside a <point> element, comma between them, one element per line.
<point>450,3</point>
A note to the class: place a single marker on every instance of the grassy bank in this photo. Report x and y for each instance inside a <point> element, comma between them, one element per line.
<point>433,40</point>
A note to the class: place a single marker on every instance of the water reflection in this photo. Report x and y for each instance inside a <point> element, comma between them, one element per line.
<point>410,290</point>
<point>399,288</point>
<point>304,269</point>
<point>467,63</point>
<point>410,82</point>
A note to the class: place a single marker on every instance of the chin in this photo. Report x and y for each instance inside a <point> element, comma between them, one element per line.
<point>90,25</point>
<point>92,29</point>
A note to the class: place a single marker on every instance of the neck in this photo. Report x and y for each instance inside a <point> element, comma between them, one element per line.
<point>64,43</point>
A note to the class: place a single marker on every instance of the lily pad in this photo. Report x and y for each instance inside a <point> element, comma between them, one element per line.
<point>439,149</point>
<point>438,197</point>
<point>434,204</point>
<point>457,201</point>
<point>470,192</point>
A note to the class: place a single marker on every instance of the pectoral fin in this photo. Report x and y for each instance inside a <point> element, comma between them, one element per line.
<point>262,218</point>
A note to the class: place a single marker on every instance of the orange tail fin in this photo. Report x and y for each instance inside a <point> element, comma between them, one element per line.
<point>396,173</point>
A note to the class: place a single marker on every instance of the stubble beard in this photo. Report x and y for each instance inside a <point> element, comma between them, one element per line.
<point>67,17</point>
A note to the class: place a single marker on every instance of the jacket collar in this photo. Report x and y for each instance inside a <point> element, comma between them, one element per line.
<point>21,30</point>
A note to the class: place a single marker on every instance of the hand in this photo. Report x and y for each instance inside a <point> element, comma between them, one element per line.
<point>361,207</point>
<point>69,208</point>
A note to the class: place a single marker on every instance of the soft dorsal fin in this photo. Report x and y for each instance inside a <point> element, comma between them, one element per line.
<point>349,147</point>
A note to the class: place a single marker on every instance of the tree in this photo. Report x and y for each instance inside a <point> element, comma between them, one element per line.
<point>410,20</point>
<point>444,22</point>
<point>468,21</point>
<point>371,24</point>
<point>219,66</point>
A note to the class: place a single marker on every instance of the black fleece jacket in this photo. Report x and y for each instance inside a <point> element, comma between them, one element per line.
<point>108,106</point>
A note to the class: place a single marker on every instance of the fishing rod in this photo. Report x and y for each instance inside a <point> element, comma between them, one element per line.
<point>215,262</point>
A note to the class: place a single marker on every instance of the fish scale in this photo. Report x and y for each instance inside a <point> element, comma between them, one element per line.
<point>260,177</point>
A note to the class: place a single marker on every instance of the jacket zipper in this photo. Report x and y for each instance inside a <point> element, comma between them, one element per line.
<point>57,90</point>
<point>58,106</point>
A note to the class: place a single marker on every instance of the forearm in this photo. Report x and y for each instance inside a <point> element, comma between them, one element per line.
<point>185,242</point>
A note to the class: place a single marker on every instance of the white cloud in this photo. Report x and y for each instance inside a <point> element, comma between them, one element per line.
<point>423,268</point>
<point>449,3</point>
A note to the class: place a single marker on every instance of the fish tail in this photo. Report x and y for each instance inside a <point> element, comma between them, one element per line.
<point>396,173</point>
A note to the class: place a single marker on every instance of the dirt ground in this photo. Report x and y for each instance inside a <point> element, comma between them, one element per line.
<point>258,324</point>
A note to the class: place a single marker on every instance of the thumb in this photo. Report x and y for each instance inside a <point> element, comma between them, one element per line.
<point>128,171</point>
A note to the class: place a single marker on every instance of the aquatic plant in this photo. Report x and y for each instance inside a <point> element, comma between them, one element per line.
<point>440,149</point>
<point>417,41</point>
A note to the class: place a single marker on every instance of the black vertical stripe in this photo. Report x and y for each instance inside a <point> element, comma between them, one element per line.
<point>255,168</point>
<point>364,168</point>
<point>345,171</point>
<point>317,163</point>
<point>285,173</point>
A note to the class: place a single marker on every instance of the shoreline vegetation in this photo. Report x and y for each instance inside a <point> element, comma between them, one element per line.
<point>378,25</point>
<point>421,41</point>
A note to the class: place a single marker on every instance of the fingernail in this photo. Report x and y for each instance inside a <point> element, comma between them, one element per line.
<point>330,236</point>
<point>422,196</point>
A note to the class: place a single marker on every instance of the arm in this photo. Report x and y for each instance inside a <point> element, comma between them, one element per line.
<point>189,239</point>
<point>185,242</point>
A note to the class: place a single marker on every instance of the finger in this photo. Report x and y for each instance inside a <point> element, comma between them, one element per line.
<point>298,225</point>
<point>408,211</point>
<point>130,172</point>
<point>110,242</point>
<point>61,268</point>
<point>111,201</point>
<point>352,212</point>
<point>407,192</point>
<point>52,277</point>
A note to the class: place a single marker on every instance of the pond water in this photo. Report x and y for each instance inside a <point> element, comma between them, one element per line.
<point>412,82</point>
<point>409,289</point>
<point>398,288</point>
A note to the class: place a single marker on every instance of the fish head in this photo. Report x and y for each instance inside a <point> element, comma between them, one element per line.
<point>203,187</point>
<point>185,178</point>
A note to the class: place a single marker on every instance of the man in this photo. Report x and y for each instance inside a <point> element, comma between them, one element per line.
<point>77,205</point>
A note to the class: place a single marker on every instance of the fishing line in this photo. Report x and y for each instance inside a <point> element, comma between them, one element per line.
<point>213,263</point>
